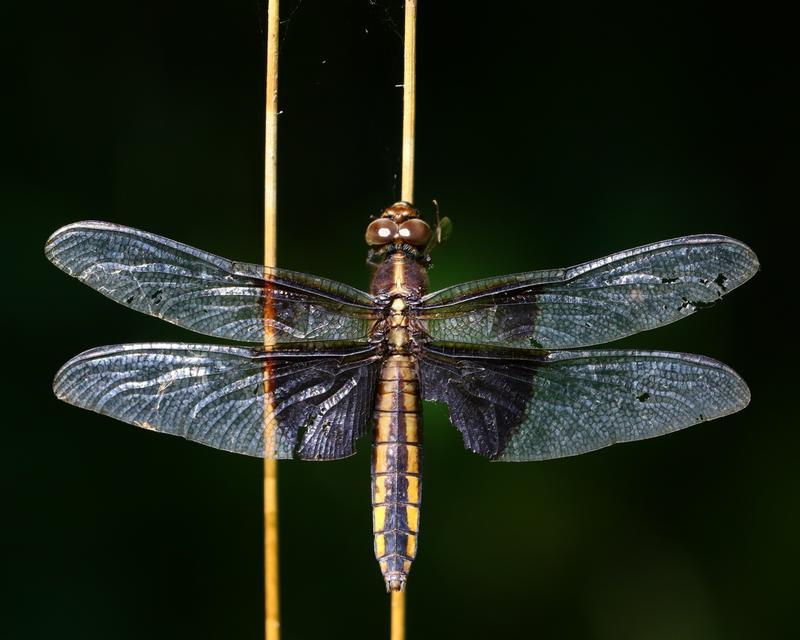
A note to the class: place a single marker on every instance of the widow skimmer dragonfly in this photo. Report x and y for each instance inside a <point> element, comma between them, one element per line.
<point>506,354</point>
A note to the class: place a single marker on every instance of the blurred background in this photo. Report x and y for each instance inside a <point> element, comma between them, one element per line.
<point>551,134</point>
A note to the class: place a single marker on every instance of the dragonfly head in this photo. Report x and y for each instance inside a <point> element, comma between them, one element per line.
<point>399,224</point>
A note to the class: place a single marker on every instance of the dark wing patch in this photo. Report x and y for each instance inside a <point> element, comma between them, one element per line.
<point>318,405</point>
<point>535,406</point>
<point>206,293</point>
<point>595,302</point>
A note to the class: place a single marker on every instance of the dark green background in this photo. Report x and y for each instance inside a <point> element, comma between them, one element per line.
<point>551,134</point>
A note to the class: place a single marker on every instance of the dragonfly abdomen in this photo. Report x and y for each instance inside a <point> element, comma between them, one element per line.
<point>396,469</point>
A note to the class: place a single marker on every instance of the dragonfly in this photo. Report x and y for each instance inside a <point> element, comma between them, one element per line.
<point>322,362</point>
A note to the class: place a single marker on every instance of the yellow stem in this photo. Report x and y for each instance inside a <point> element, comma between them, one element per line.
<point>398,631</point>
<point>409,101</point>
<point>271,583</point>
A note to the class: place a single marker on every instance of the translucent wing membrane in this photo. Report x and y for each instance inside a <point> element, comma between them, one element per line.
<point>312,395</point>
<point>595,302</point>
<point>311,406</point>
<point>206,293</point>
<point>538,405</point>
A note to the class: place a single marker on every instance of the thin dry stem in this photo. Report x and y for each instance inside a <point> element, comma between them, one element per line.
<point>271,583</point>
<point>409,100</point>
<point>398,631</point>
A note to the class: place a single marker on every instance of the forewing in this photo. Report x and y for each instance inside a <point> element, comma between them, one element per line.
<point>592,303</point>
<point>537,406</point>
<point>206,293</point>
<point>277,404</point>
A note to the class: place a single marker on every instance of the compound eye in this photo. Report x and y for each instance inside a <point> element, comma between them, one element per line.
<point>380,231</point>
<point>415,232</point>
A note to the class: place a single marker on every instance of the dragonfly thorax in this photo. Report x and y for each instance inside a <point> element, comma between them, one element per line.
<point>398,336</point>
<point>400,275</point>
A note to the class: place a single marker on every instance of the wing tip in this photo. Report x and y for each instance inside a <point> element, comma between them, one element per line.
<point>744,395</point>
<point>64,370</point>
<point>738,391</point>
<point>750,258</point>
<point>55,238</point>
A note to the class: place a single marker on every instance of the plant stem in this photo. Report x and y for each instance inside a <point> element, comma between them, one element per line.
<point>271,583</point>
<point>409,100</point>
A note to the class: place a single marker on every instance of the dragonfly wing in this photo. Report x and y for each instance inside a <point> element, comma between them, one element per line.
<point>286,403</point>
<point>539,405</point>
<point>595,302</point>
<point>206,293</point>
